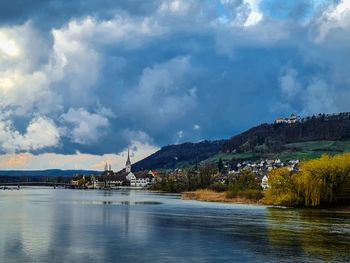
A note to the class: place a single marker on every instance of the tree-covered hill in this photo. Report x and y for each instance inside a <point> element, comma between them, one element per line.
<point>316,135</point>
<point>272,137</point>
<point>179,155</point>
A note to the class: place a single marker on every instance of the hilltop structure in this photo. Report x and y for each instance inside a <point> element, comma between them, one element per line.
<point>292,119</point>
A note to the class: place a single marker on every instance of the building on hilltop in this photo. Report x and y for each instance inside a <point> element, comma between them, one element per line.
<point>292,119</point>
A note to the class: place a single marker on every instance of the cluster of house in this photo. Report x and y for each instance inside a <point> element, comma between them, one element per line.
<point>110,179</point>
<point>263,167</point>
<point>145,179</point>
<point>260,168</point>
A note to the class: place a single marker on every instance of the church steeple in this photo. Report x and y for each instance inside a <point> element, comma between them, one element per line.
<point>128,163</point>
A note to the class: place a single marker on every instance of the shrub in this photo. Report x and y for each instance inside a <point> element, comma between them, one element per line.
<point>233,190</point>
<point>252,194</point>
<point>218,187</point>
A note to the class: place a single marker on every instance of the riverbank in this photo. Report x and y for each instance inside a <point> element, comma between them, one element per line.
<point>212,196</point>
<point>205,195</point>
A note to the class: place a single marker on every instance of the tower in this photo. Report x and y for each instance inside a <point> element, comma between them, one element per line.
<point>128,164</point>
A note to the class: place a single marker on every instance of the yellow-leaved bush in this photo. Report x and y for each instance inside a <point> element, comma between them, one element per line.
<point>318,182</point>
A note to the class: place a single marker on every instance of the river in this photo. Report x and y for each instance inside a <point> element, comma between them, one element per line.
<point>62,225</point>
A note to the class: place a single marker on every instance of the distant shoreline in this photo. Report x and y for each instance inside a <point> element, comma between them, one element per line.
<point>211,196</point>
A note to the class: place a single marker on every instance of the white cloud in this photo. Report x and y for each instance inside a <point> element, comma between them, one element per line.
<point>289,83</point>
<point>312,97</point>
<point>72,66</point>
<point>120,30</point>
<point>40,133</point>
<point>60,73</point>
<point>319,97</point>
<point>162,95</point>
<point>24,83</point>
<point>39,79</point>
<point>179,136</point>
<point>174,7</point>
<point>86,127</point>
<point>244,13</point>
<point>8,46</point>
<point>196,127</point>
<point>28,161</point>
<point>255,15</point>
<point>139,136</point>
<point>336,16</point>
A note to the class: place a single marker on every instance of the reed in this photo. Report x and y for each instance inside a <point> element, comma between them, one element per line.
<point>212,196</point>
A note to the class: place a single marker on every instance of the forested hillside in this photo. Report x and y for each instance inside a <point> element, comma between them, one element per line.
<point>181,154</point>
<point>272,137</point>
<point>265,140</point>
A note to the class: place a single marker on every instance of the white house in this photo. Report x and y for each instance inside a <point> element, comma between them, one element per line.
<point>264,182</point>
<point>131,178</point>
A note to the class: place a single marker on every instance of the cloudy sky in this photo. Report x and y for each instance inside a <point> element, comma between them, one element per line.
<point>80,81</point>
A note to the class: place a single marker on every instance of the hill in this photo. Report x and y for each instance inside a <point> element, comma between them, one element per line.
<point>179,155</point>
<point>272,137</point>
<point>46,173</point>
<point>305,139</point>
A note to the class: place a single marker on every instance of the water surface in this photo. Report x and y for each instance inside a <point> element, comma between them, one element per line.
<point>61,225</point>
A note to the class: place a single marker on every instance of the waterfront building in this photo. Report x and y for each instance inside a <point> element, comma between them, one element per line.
<point>126,177</point>
<point>131,178</point>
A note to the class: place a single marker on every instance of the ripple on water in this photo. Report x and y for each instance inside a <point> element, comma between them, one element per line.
<point>108,202</point>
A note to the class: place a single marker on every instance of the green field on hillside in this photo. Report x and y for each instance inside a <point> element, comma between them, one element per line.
<point>331,146</point>
<point>301,151</point>
<point>230,156</point>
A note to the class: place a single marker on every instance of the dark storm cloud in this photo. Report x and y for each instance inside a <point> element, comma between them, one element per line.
<point>100,75</point>
<point>51,13</point>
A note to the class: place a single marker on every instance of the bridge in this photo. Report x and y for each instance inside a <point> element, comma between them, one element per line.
<point>48,184</point>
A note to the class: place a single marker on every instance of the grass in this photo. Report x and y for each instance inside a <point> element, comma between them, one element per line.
<point>230,156</point>
<point>211,196</point>
<point>336,146</point>
<point>301,151</point>
<point>313,149</point>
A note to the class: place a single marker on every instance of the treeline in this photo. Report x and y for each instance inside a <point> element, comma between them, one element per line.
<point>320,182</point>
<point>244,185</point>
<point>46,173</point>
<point>186,180</point>
<point>324,181</point>
<point>35,179</point>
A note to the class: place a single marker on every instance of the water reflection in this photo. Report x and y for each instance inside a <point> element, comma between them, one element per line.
<point>315,234</point>
<point>60,225</point>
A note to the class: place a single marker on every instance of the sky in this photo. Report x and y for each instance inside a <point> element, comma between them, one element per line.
<point>81,81</point>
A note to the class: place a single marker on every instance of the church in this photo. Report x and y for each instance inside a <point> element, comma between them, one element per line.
<point>126,177</point>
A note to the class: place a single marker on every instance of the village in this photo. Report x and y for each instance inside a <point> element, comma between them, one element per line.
<point>127,179</point>
<point>116,180</point>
